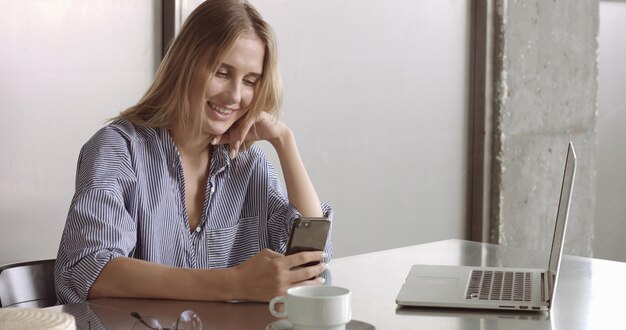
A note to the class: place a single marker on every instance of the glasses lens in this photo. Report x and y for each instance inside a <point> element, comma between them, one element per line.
<point>146,322</point>
<point>189,320</point>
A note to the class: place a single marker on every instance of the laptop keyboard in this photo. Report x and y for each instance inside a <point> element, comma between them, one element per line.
<point>499,285</point>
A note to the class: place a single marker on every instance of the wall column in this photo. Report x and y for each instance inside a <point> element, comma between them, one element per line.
<point>545,94</point>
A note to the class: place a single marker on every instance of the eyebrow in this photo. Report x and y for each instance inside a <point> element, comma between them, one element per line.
<point>230,67</point>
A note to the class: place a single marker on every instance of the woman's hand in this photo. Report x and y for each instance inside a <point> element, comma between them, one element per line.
<point>263,127</point>
<point>300,189</point>
<point>269,274</point>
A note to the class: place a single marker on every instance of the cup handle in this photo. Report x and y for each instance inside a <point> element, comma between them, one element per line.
<point>273,302</point>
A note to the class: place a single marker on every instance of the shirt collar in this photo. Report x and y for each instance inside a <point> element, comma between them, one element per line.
<point>220,159</point>
<point>169,147</point>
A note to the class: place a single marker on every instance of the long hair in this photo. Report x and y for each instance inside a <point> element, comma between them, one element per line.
<point>207,35</point>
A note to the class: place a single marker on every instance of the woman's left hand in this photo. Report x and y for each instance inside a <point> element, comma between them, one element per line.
<point>263,127</point>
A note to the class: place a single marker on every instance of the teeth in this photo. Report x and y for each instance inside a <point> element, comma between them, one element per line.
<point>222,110</point>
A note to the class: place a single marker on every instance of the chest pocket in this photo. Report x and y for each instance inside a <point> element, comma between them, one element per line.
<point>233,245</point>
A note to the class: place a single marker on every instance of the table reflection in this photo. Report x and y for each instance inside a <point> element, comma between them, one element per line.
<point>452,318</point>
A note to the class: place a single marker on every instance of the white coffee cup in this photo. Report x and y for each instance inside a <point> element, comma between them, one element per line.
<point>315,307</point>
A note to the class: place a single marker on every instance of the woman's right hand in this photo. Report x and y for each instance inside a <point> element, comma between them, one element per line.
<point>269,274</point>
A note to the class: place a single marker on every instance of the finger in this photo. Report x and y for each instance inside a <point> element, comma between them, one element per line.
<point>302,258</point>
<point>245,130</point>
<point>304,273</point>
<point>309,281</point>
<point>270,254</point>
<point>216,140</point>
<point>255,134</point>
<point>221,139</point>
<point>243,146</point>
<point>239,136</point>
<point>234,149</point>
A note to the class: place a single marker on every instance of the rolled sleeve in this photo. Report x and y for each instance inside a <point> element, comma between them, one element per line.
<point>99,227</point>
<point>98,230</point>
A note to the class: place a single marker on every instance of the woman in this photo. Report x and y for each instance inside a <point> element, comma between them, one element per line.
<point>172,199</point>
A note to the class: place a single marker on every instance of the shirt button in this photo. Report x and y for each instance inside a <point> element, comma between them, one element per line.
<point>212,189</point>
<point>198,229</point>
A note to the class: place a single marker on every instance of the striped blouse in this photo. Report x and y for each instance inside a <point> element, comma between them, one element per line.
<point>129,202</point>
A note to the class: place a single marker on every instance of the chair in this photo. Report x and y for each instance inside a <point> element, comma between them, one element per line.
<point>28,284</point>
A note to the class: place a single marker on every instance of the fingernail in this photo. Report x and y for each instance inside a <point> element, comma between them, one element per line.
<point>322,280</point>
<point>233,151</point>
<point>324,255</point>
<point>325,265</point>
<point>214,141</point>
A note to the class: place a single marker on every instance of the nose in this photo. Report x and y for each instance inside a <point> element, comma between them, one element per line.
<point>233,91</point>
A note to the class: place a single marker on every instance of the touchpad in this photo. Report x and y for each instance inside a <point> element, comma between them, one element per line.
<point>435,288</point>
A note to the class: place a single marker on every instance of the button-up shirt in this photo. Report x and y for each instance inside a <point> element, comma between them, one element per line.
<point>129,202</point>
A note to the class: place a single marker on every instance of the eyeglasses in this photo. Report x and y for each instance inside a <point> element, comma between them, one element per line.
<point>188,320</point>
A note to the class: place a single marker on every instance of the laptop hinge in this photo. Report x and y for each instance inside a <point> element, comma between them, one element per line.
<point>546,286</point>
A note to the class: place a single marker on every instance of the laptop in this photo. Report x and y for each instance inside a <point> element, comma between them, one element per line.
<point>494,287</point>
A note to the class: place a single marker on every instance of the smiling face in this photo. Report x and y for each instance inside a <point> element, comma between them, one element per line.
<point>190,98</point>
<point>230,91</point>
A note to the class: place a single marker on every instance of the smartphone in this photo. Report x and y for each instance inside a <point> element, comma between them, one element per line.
<point>308,234</point>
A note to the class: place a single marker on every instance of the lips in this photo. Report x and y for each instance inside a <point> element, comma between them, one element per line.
<point>222,111</point>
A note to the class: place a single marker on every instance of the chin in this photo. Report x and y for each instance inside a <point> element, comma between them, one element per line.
<point>214,131</point>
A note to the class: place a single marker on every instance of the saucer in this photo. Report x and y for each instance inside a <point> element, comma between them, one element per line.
<point>352,325</point>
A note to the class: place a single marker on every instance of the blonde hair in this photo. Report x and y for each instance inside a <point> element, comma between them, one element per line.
<point>207,35</point>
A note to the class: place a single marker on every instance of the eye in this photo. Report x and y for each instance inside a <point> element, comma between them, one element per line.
<point>250,82</point>
<point>221,73</point>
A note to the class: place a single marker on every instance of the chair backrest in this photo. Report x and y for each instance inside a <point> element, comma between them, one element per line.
<point>28,284</point>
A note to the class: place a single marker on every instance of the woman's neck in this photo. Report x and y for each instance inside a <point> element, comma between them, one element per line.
<point>189,143</point>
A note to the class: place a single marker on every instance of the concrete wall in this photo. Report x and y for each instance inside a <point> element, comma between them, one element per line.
<point>546,94</point>
<point>610,224</point>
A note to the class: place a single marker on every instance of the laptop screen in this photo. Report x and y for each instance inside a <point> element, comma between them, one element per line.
<point>561,215</point>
